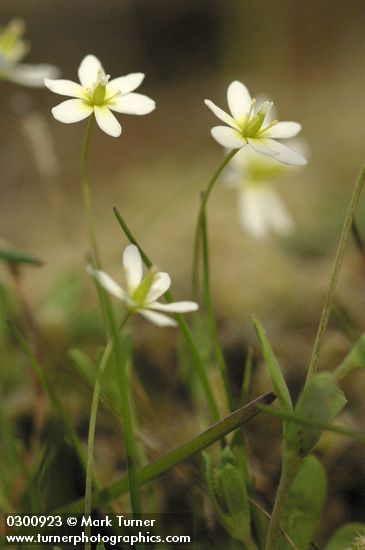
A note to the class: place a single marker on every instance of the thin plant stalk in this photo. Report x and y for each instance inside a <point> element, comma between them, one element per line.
<point>346,229</point>
<point>247,377</point>
<point>86,191</point>
<point>288,473</point>
<point>184,327</point>
<point>217,349</point>
<point>203,203</point>
<point>91,434</point>
<point>290,462</point>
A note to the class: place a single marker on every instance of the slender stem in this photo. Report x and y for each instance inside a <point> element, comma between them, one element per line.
<point>217,349</point>
<point>203,203</point>
<point>184,327</point>
<point>128,431</point>
<point>86,191</point>
<point>289,471</point>
<point>346,229</point>
<point>266,514</point>
<point>247,375</point>
<point>92,424</point>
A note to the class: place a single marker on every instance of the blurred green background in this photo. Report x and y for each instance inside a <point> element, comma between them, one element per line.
<point>309,57</point>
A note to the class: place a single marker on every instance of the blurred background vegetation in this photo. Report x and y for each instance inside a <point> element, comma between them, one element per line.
<point>309,57</point>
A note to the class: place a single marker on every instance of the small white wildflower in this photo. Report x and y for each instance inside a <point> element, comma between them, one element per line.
<point>13,48</point>
<point>142,293</point>
<point>260,207</point>
<point>249,125</point>
<point>99,96</point>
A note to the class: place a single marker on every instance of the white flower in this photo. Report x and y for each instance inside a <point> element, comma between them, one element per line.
<point>12,50</point>
<point>249,125</point>
<point>142,293</point>
<point>96,94</point>
<point>260,208</point>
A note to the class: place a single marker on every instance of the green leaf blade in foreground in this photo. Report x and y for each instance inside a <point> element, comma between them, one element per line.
<point>277,378</point>
<point>178,455</point>
<point>355,359</point>
<point>320,401</point>
<point>346,536</point>
<point>305,503</point>
<point>17,257</point>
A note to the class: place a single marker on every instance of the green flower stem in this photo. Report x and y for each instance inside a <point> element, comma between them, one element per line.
<point>346,229</point>
<point>184,327</point>
<point>86,191</point>
<point>217,349</point>
<point>291,465</point>
<point>203,203</point>
<point>92,423</point>
<point>168,461</point>
<point>122,362</point>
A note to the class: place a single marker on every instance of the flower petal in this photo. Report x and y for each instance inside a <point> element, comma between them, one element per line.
<point>175,307</point>
<point>261,209</point>
<point>222,115</point>
<point>239,99</point>
<point>72,110</point>
<point>107,282</point>
<point>250,212</point>
<point>283,130</point>
<point>107,121</point>
<point>283,153</point>
<point>31,75</point>
<point>133,269</point>
<point>158,318</point>
<point>228,137</point>
<point>65,87</point>
<point>124,84</point>
<point>132,104</point>
<point>88,70</point>
<point>261,145</point>
<point>278,216</point>
<point>161,283</point>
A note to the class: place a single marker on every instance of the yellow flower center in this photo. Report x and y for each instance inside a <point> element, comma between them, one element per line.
<point>140,294</point>
<point>97,95</point>
<point>253,124</point>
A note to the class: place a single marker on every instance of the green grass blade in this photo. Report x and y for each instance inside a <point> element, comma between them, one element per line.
<point>162,465</point>
<point>277,378</point>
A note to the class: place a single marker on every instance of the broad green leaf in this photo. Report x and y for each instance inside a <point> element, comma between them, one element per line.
<point>100,546</point>
<point>345,537</point>
<point>277,378</point>
<point>305,503</point>
<point>355,359</point>
<point>321,400</point>
<point>18,257</point>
